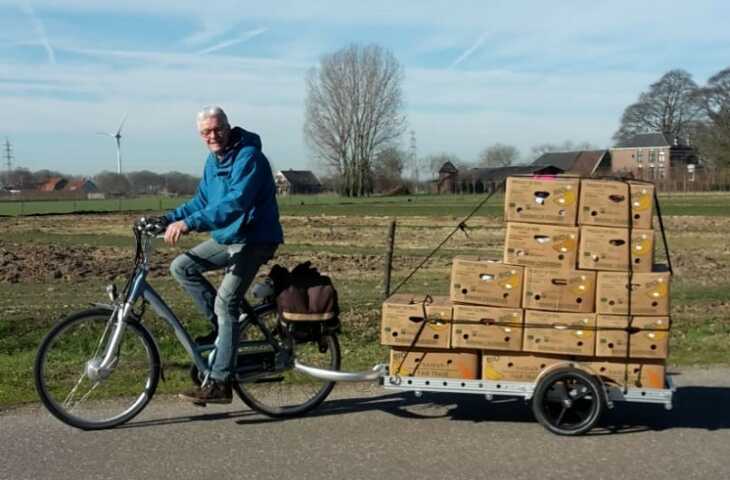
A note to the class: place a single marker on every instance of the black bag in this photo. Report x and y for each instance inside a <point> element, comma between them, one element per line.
<point>305,296</point>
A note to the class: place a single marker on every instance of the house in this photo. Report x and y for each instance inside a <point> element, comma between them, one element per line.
<point>296,181</point>
<point>653,156</point>
<point>53,184</point>
<point>481,180</point>
<point>585,163</point>
<point>84,185</point>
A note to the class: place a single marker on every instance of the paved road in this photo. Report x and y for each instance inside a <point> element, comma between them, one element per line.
<point>370,433</point>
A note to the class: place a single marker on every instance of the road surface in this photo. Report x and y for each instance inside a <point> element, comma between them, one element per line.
<point>365,432</point>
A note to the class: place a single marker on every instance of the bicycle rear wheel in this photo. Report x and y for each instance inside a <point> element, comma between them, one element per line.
<point>79,396</point>
<point>289,393</point>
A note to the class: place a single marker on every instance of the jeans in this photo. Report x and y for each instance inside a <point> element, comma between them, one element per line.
<point>241,263</point>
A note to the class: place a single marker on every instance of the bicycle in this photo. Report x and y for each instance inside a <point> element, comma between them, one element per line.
<point>88,364</point>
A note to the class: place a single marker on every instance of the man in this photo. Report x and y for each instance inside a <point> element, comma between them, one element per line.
<point>236,202</point>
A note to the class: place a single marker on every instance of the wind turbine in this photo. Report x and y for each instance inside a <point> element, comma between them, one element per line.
<point>118,137</point>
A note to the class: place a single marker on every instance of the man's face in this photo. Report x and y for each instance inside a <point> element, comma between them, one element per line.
<point>214,133</point>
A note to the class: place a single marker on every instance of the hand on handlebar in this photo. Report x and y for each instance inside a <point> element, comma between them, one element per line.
<point>174,231</point>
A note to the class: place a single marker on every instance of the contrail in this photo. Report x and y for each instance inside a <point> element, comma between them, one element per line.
<point>480,41</point>
<point>40,30</point>
<point>245,37</point>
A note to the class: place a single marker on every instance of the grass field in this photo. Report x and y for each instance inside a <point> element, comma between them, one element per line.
<point>695,204</point>
<point>53,265</point>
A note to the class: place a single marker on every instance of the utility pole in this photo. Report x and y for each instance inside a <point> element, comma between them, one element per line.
<point>8,155</point>
<point>413,154</point>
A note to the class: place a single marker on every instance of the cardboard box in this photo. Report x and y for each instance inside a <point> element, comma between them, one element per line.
<point>559,333</point>
<point>517,367</point>
<point>649,293</point>
<point>651,340</point>
<point>487,327</point>
<point>421,362</point>
<point>604,203</point>
<point>642,205</point>
<point>604,248</point>
<point>543,246</point>
<point>484,282</point>
<point>552,200</point>
<point>640,374</point>
<point>558,290</point>
<point>403,315</point>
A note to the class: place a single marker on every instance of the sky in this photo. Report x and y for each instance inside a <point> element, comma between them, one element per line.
<point>475,72</point>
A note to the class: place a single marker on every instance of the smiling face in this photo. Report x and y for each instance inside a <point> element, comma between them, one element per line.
<point>215,133</point>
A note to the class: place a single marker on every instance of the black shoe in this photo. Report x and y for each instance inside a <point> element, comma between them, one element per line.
<point>212,392</point>
<point>208,339</point>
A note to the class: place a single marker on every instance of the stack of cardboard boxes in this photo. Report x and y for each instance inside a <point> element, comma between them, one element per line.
<point>562,293</point>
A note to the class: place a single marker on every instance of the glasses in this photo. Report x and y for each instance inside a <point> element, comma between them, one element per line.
<point>219,131</point>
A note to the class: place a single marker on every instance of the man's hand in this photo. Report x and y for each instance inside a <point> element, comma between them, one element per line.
<point>174,231</point>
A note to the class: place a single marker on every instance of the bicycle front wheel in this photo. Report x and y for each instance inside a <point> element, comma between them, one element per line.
<point>289,393</point>
<point>83,396</point>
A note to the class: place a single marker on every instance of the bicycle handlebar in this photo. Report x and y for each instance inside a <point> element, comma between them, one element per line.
<point>151,226</point>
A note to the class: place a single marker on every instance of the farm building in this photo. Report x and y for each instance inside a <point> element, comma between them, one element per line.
<point>477,180</point>
<point>84,185</point>
<point>586,163</point>
<point>480,180</point>
<point>653,156</point>
<point>53,184</point>
<point>296,181</point>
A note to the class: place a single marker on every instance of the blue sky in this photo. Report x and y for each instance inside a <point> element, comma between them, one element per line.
<point>476,73</point>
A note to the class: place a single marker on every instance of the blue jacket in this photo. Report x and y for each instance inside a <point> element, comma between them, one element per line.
<point>236,199</point>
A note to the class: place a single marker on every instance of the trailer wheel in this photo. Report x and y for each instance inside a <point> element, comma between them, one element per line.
<point>568,401</point>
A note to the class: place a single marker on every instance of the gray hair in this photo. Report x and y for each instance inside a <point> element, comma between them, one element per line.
<point>212,111</point>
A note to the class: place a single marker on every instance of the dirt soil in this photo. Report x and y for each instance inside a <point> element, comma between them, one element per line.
<point>699,246</point>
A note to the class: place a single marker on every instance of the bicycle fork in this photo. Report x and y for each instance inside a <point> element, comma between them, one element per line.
<point>101,366</point>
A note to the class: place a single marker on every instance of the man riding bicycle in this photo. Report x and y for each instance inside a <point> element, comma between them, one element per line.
<point>236,202</point>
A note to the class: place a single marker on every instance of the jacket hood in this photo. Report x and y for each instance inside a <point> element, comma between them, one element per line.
<point>240,139</point>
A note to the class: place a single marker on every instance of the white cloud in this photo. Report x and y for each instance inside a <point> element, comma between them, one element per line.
<point>234,41</point>
<point>40,31</point>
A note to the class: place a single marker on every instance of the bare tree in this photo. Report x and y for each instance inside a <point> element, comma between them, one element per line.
<point>112,183</point>
<point>498,155</point>
<point>145,181</point>
<point>566,146</point>
<point>388,169</point>
<point>712,136</point>
<point>670,106</point>
<point>353,112</point>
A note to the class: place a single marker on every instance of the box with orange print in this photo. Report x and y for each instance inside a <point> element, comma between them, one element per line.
<point>545,199</point>
<point>407,317</point>
<point>421,362</point>
<point>479,281</point>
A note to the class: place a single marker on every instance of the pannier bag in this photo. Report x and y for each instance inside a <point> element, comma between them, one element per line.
<point>305,295</point>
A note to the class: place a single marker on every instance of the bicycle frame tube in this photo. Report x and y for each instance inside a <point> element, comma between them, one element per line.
<point>140,288</point>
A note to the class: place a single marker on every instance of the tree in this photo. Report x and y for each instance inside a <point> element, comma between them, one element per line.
<point>712,136</point>
<point>113,183</point>
<point>42,176</point>
<point>388,169</point>
<point>670,106</point>
<point>180,183</point>
<point>145,181</point>
<point>498,155</point>
<point>567,146</point>
<point>353,112</point>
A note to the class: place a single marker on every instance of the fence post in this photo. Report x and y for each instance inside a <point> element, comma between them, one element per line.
<point>389,258</point>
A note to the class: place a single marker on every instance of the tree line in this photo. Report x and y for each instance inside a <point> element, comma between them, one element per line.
<point>137,183</point>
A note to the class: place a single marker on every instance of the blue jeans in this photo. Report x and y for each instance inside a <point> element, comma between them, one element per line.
<point>241,263</point>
